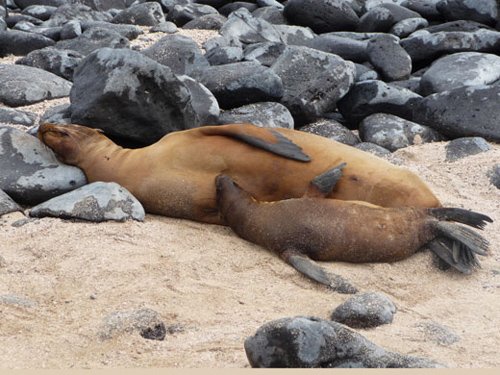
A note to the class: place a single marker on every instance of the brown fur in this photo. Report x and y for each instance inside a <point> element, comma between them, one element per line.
<point>175,176</point>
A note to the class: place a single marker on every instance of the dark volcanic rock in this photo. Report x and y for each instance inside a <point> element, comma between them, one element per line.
<point>483,11</point>
<point>69,12</point>
<point>166,27</point>
<point>365,73</point>
<point>13,116</point>
<point>180,53</point>
<point>19,43</point>
<point>313,81</point>
<point>102,5</point>
<point>347,48</point>
<point>271,14</point>
<point>129,95</point>
<point>248,29</point>
<point>24,85</point>
<point>462,147</point>
<point>93,39</point>
<point>295,35</point>
<point>98,201</point>
<point>182,14</point>
<point>462,112</point>
<point>203,101</point>
<point>26,3</point>
<point>128,31</point>
<point>368,97</point>
<point>227,9</point>
<point>321,16</point>
<point>59,114</point>
<point>426,8</point>
<point>71,30</point>
<point>145,14</point>
<point>422,45</point>
<point>366,310</point>
<point>460,69</point>
<point>372,148</point>
<point>265,53</point>
<point>460,25</point>
<point>392,132</point>
<point>389,58</point>
<point>30,171</point>
<point>267,114</point>
<point>224,55</point>
<point>407,26</point>
<point>145,321</point>
<point>241,83</point>
<point>7,205</point>
<point>312,342</point>
<point>494,175</point>
<point>59,62</point>
<point>333,130</point>
<point>212,21</point>
<point>383,17</point>
<point>42,12</point>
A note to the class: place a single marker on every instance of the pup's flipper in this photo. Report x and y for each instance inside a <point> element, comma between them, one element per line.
<point>314,271</point>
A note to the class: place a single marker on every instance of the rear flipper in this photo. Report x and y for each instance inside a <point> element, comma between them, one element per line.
<point>471,218</point>
<point>312,270</point>
<point>458,246</point>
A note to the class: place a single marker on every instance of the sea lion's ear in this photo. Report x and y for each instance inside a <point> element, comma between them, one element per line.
<point>99,130</point>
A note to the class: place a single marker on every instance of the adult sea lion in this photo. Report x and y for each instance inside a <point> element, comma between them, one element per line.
<point>175,176</point>
<point>302,229</point>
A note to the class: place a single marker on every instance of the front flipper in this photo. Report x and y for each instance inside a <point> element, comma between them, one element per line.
<point>312,270</point>
<point>323,184</point>
<point>263,138</point>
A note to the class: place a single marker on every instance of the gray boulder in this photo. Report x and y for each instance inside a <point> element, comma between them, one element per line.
<point>144,14</point>
<point>59,62</point>
<point>369,97</point>
<point>460,69</point>
<point>13,116</point>
<point>494,175</point>
<point>59,114</point>
<point>311,342</point>
<point>389,58</point>
<point>96,202</point>
<point>321,16</point>
<point>438,333</point>
<point>462,147</point>
<point>30,171</point>
<point>271,14</point>
<point>70,12</point>
<point>7,205</point>
<point>408,26</point>
<point>347,48</point>
<point>423,45</point>
<point>365,310</point>
<point>241,83</point>
<point>381,18</point>
<point>333,130</point>
<point>224,55</point>
<point>426,8</point>
<point>42,12</point>
<point>212,21</point>
<point>313,80</point>
<point>130,95</point>
<point>180,53</point>
<point>24,85</point>
<point>466,111</point>
<point>128,31</point>
<point>372,148</point>
<point>184,13</point>
<point>265,53</point>
<point>393,132</point>
<point>93,39</point>
<point>248,29</point>
<point>268,114</point>
<point>20,43</point>
<point>203,101</point>
<point>483,11</point>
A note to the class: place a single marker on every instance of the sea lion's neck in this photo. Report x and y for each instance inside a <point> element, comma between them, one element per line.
<point>105,161</point>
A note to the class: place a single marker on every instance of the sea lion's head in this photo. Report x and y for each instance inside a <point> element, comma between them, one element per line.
<point>68,141</point>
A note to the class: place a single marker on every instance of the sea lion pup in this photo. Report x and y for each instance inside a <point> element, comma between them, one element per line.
<point>175,176</point>
<point>301,230</point>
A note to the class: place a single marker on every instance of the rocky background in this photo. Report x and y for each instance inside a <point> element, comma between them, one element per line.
<point>417,82</point>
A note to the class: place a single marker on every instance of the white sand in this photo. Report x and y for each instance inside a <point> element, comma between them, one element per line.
<point>220,288</point>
